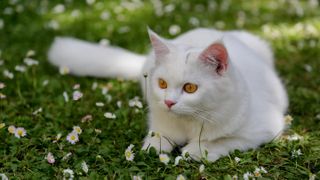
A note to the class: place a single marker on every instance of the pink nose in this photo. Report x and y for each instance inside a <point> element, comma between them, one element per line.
<point>169,103</point>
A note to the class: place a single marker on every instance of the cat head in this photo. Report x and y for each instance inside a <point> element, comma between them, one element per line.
<point>187,80</point>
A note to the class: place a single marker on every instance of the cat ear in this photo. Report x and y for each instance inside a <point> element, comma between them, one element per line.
<point>159,46</point>
<point>216,55</point>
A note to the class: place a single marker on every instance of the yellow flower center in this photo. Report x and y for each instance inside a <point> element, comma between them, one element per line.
<point>20,132</point>
<point>73,138</point>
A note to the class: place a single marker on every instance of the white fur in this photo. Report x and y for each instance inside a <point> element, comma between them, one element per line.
<point>241,109</point>
<point>88,59</point>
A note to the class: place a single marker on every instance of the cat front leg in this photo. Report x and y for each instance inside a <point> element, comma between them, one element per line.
<point>213,150</point>
<point>160,143</point>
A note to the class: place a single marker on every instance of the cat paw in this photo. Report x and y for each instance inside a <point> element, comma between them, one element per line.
<point>159,143</point>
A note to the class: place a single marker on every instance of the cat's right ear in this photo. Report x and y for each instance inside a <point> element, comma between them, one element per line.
<point>158,44</point>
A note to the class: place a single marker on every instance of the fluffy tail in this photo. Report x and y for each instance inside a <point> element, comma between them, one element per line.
<point>88,59</point>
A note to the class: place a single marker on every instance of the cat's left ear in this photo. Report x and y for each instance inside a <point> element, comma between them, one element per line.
<point>159,46</point>
<point>216,55</point>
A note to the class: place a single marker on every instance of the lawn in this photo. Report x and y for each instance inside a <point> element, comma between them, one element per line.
<point>36,97</point>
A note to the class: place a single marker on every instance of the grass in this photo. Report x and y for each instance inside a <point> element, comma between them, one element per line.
<point>293,29</point>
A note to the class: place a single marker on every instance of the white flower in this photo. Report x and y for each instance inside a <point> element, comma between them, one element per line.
<point>257,172</point>
<point>57,137</point>
<point>72,137</point>
<point>30,61</point>
<point>50,158</point>
<point>68,174</point>
<point>109,115</point>
<point>2,85</point>
<point>312,177</point>
<point>2,96</point>
<point>8,74</point>
<point>20,132</point>
<point>119,104</point>
<point>136,178</point>
<point>164,158</point>
<point>76,86</point>
<point>180,177</point>
<point>66,156</point>
<point>135,102</point>
<point>45,82</point>
<point>98,131</point>
<point>64,70</point>
<point>90,2</point>
<point>77,129</point>
<point>76,95</point>
<point>20,68</point>
<point>294,137</point>
<point>94,86</point>
<point>263,170</point>
<point>105,15</point>
<point>177,160</point>
<point>247,175</point>
<point>37,111</point>
<point>237,159</point>
<point>296,153</point>
<point>174,29</point>
<point>86,118</point>
<point>104,42</point>
<point>65,96</point>
<point>128,153</point>
<point>104,90</point>
<point>288,119</point>
<point>59,8</point>
<point>2,125</point>
<point>3,176</point>
<point>11,129</point>
<point>30,53</point>
<point>201,168</point>
<point>99,104</point>
<point>84,167</point>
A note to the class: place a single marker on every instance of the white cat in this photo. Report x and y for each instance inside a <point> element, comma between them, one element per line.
<point>209,91</point>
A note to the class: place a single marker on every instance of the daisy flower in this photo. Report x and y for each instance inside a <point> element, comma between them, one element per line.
<point>30,53</point>
<point>50,158</point>
<point>288,119</point>
<point>3,176</point>
<point>65,96</point>
<point>2,125</point>
<point>247,175</point>
<point>177,160</point>
<point>99,104</point>
<point>73,137</point>
<point>2,96</point>
<point>201,168</point>
<point>57,137</point>
<point>68,174</point>
<point>86,118</point>
<point>128,153</point>
<point>64,70</point>
<point>181,177</point>
<point>237,159</point>
<point>2,85</point>
<point>11,129</point>
<point>77,129</point>
<point>77,95</point>
<point>109,115</point>
<point>164,158</point>
<point>136,178</point>
<point>30,62</point>
<point>20,132</point>
<point>65,157</point>
<point>76,86</point>
<point>84,167</point>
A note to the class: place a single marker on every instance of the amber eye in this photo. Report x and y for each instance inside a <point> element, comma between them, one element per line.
<point>190,88</point>
<point>162,84</point>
